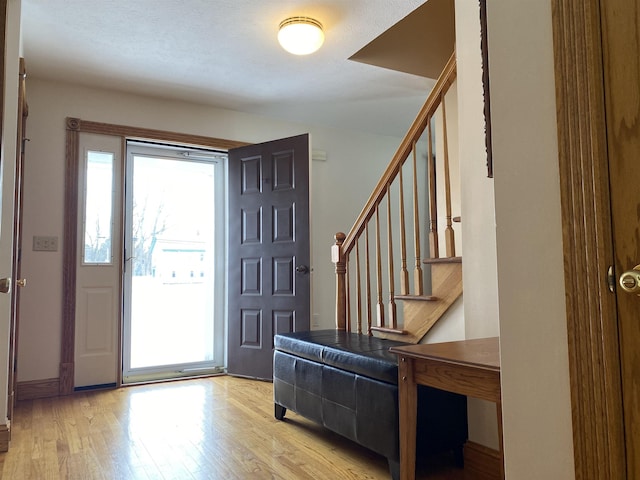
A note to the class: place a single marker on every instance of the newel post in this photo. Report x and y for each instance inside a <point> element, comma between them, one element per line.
<point>337,257</point>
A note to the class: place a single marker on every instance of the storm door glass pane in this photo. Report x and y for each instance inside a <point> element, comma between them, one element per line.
<point>172,264</point>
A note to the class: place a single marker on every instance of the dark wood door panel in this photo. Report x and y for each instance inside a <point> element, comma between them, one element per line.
<point>269,281</point>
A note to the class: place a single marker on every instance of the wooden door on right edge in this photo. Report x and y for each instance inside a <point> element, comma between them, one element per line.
<point>621,46</point>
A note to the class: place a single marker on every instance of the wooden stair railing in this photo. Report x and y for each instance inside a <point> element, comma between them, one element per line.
<point>378,214</point>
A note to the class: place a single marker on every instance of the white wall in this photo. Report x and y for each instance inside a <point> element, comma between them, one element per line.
<point>478,209</point>
<point>533,334</point>
<point>340,187</point>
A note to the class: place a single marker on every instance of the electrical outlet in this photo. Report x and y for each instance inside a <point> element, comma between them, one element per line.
<point>45,244</point>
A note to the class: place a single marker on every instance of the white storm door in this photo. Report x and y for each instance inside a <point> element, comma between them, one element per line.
<point>173,323</point>
<point>98,286</point>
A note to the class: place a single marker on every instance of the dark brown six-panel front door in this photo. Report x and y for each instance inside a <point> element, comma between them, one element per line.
<point>269,273</point>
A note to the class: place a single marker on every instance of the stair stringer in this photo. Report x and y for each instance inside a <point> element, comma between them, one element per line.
<point>419,315</point>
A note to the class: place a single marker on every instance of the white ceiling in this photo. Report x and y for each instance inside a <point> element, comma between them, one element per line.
<point>225,53</point>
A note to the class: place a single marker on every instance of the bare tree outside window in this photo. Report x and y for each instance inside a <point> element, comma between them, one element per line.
<point>97,248</point>
<point>148,225</point>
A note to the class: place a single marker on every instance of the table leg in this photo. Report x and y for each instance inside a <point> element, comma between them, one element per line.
<point>500,443</point>
<point>408,404</point>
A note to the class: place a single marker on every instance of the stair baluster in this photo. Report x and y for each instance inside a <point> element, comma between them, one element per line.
<point>348,293</point>
<point>368,279</point>
<point>380,304</point>
<point>358,289</point>
<point>448,233</point>
<point>337,257</point>
<point>393,320</point>
<point>418,284</point>
<point>434,249</point>
<point>404,274</point>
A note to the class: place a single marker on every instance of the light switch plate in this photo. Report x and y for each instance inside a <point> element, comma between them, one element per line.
<point>45,244</point>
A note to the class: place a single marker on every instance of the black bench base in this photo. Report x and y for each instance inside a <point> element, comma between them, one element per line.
<point>348,383</point>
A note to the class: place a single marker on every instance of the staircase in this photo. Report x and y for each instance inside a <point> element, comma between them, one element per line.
<point>372,276</point>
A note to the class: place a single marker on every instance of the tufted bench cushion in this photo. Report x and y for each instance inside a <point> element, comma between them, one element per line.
<point>361,354</point>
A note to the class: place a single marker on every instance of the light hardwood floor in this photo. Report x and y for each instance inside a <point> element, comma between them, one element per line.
<point>213,428</point>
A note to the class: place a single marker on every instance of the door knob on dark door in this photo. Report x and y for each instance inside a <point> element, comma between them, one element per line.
<point>302,269</point>
<point>630,280</point>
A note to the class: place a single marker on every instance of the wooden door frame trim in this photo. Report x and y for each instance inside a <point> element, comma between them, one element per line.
<point>16,270</point>
<point>594,362</point>
<point>5,431</point>
<point>74,127</point>
<point>3,34</point>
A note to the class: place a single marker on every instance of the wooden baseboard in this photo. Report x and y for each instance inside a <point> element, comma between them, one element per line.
<point>5,436</point>
<point>49,387</point>
<point>481,462</point>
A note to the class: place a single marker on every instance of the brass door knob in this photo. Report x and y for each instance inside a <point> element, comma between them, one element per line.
<point>630,280</point>
<point>22,282</point>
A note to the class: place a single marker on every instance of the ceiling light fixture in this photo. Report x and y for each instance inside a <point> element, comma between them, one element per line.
<point>300,35</point>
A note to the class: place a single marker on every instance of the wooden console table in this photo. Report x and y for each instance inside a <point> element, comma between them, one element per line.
<point>468,367</point>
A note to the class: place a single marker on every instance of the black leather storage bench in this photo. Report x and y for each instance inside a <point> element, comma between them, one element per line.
<point>349,383</point>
